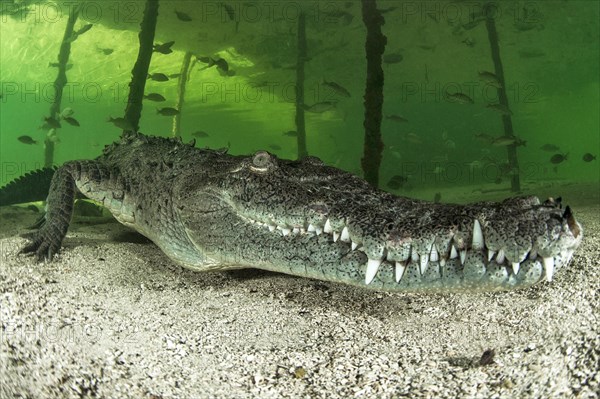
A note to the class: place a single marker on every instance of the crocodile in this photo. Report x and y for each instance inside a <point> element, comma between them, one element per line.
<point>208,210</point>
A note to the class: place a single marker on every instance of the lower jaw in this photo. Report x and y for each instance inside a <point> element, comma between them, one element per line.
<point>475,275</point>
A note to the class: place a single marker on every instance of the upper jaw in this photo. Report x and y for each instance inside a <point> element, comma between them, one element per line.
<point>505,235</point>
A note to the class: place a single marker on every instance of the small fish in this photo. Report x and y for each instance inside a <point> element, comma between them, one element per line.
<point>531,53</point>
<point>67,112</point>
<point>84,29</point>
<point>460,98</point>
<point>587,157</point>
<point>222,64</point>
<point>490,78</point>
<point>550,148</point>
<point>508,140</point>
<point>413,138</point>
<point>26,140</point>
<point>321,107</point>
<point>291,133</point>
<point>154,97</point>
<point>501,108</point>
<point>183,16</point>
<point>396,118</point>
<point>200,134</point>
<point>337,89</point>
<point>164,48</point>
<point>426,46</point>
<point>167,111</point>
<point>525,25</point>
<point>437,198</point>
<point>397,182</point>
<point>121,123</point>
<point>206,60</point>
<point>275,147</point>
<point>105,51</point>
<point>558,158</point>
<point>53,123</point>
<point>71,121</point>
<point>393,58</point>
<point>158,77</point>
<point>486,138</point>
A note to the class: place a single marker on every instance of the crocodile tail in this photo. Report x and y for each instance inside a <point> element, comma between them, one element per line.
<point>33,186</point>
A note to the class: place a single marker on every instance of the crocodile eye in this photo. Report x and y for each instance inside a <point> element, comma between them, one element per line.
<point>261,161</point>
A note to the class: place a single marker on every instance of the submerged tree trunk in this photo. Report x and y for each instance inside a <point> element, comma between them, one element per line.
<point>373,99</point>
<point>133,111</point>
<point>183,78</point>
<point>491,13</point>
<point>61,81</point>
<point>300,123</point>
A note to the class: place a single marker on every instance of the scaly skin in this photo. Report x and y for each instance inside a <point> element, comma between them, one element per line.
<point>211,211</point>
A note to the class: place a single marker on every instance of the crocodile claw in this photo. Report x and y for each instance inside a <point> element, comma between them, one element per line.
<point>41,245</point>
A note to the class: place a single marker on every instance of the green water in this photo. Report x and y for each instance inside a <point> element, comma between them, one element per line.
<point>549,51</point>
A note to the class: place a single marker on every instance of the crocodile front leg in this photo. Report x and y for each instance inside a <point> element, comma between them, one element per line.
<point>46,241</point>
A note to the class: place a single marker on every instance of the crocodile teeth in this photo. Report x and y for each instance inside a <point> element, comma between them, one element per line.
<point>336,235</point>
<point>443,262</point>
<point>272,227</point>
<point>400,268</point>
<point>549,267</point>
<point>345,236</point>
<point>515,267</point>
<point>327,228</point>
<point>463,256</point>
<point>477,236</point>
<point>500,256</point>
<point>434,256</point>
<point>453,253</point>
<point>285,231</point>
<point>372,267</point>
<point>318,230</point>
<point>424,262</point>
<point>295,230</point>
<point>311,228</point>
<point>354,245</point>
<point>490,254</point>
<point>414,255</point>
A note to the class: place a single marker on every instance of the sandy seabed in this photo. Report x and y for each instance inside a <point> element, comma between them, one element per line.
<point>112,317</point>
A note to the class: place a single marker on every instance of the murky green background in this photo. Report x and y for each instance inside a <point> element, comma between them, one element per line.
<point>550,52</point>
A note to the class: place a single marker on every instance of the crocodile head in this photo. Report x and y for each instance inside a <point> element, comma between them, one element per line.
<point>308,219</point>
